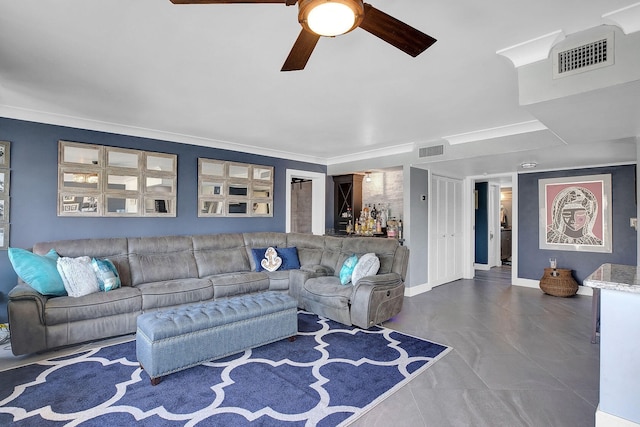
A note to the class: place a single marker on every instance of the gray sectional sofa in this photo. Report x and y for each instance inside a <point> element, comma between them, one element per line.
<point>170,271</point>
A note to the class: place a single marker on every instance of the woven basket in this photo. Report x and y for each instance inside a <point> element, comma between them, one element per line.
<point>558,282</point>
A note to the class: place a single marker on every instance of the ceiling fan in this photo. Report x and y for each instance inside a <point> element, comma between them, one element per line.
<point>330,18</point>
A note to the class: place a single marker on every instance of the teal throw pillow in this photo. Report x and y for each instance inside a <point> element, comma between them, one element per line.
<point>106,274</point>
<point>39,272</point>
<point>347,269</point>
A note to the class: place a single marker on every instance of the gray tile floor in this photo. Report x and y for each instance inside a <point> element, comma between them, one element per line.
<point>520,358</point>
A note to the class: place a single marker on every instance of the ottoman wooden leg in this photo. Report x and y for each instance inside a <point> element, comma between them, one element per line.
<point>292,339</point>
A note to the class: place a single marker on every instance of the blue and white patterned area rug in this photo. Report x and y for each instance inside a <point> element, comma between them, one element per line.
<point>330,375</point>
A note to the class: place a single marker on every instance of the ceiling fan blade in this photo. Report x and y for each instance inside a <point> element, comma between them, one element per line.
<point>288,2</point>
<point>301,51</point>
<point>395,32</point>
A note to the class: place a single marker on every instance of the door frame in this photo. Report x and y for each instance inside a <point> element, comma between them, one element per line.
<point>469,256</point>
<point>494,225</point>
<point>318,196</point>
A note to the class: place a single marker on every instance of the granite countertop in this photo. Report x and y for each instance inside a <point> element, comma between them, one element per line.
<point>617,277</point>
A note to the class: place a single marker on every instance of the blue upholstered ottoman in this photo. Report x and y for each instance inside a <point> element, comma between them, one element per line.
<point>172,340</point>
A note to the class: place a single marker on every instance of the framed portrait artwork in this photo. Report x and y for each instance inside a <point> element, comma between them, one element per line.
<point>575,213</point>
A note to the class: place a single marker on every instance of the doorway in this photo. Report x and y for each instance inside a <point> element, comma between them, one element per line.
<point>502,213</point>
<point>318,183</point>
<point>301,200</point>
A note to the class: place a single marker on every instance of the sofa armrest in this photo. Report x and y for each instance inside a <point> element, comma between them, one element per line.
<point>26,319</point>
<point>388,279</point>
<point>376,298</point>
<point>24,292</point>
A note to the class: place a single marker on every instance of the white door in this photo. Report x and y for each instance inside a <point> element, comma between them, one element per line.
<point>445,230</point>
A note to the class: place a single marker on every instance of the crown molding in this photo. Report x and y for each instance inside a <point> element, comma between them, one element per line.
<point>497,132</point>
<point>627,18</point>
<point>117,128</point>
<point>533,50</point>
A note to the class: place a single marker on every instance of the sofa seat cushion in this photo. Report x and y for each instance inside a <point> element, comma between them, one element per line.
<point>66,309</point>
<point>278,280</point>
<point>228,285</point>
<point>169,293</point>
<point>328,290</point>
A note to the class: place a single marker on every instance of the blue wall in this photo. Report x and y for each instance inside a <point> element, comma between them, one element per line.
<point>33,190</point>
<point>482,223</point>
<point>532,260</point>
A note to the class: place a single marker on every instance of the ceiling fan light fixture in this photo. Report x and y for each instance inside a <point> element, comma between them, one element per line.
<point>330,18</point>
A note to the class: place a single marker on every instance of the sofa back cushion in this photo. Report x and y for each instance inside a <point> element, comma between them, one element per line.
<point>332,255</point>
<point>220,253</point>
<point>385,250</point>
<point>114,249</point>
<point>154,259</point>
<point>310,247</point>
<point>262,240</point>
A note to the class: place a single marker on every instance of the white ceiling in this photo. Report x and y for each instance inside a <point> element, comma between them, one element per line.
<point>210,75</point>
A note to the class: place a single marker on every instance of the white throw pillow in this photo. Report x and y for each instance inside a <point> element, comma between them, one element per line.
<point>78,276</point>
<point>271,261</point>
<point>368,265</point>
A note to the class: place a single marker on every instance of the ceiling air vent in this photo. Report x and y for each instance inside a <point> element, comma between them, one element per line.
<point>585,57</point>
<point>436,150</point>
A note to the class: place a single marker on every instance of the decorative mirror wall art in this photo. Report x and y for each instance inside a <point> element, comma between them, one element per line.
<point>95,180</point>
<point>234,189</point>
<point>5,175</point>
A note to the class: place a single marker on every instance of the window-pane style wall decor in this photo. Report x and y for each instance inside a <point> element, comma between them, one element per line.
<point>95,180</point>
<point>234,189</point>
<point>5,168</point>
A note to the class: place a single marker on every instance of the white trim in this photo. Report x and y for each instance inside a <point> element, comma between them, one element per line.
<point>627,18</point>
<point>122,129</point>
<point>318,196</point>
<point>496,132</point>
<point>371,154</point>
<point>514,225</point>
<point>531,283</point>
<point>469,183</point>
<point>417,290</point>
<point>603,165</point>
<point>533,50</point>
<point>483,267</point>
<point>604,419</point>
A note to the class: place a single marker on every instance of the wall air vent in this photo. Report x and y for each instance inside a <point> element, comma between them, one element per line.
<point>436,150</point>
<point>584,57</point>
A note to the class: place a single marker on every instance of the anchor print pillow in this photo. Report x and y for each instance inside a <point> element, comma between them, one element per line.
<point>271,260</point>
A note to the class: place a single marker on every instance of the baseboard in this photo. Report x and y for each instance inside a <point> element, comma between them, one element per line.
<point>529,283</point>
<point>484,267</point>
<point>526,283</point>
<point>417,290</point>
<point>604,419</point>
